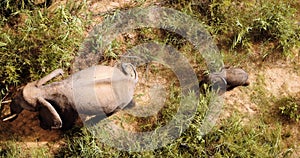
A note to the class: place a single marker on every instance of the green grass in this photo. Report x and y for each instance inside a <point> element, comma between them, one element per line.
<point>40,42</point>
<point>289,108</point>
<point>277,113</point>
<point>230,139</point>
<point>35,41</point>
<point>12,149</point>
<point>240,24</point>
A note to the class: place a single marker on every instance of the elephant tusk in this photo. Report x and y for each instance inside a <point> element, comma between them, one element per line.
<point>5,102</point>
<point>9,117</point>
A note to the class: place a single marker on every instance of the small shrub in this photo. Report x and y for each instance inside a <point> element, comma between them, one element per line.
<point>290,108</point>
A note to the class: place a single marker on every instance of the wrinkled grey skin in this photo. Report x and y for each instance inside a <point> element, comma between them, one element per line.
<point>226,80</point>
<point>98,90</point>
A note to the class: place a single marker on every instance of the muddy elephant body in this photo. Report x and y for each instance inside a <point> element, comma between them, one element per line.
<point>98,90</point>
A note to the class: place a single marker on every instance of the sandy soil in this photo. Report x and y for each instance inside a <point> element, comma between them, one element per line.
<point>281,79</point>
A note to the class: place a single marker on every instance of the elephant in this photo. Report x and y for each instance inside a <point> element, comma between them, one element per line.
<point>225,80</point>
<point>97,90</point>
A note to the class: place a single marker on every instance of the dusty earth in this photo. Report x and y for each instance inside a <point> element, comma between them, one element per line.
<point>280,79</point>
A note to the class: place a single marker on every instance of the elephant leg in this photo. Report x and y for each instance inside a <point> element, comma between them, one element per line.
<point>50,76</point>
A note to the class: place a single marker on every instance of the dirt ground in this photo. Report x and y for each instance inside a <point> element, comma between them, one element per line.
<point>281,79</point>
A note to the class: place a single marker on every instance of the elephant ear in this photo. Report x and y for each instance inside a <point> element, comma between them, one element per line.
<point>46,120</point>
<point>48,116</point>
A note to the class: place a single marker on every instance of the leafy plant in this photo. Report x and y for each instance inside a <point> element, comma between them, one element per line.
<point>290,108</point>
